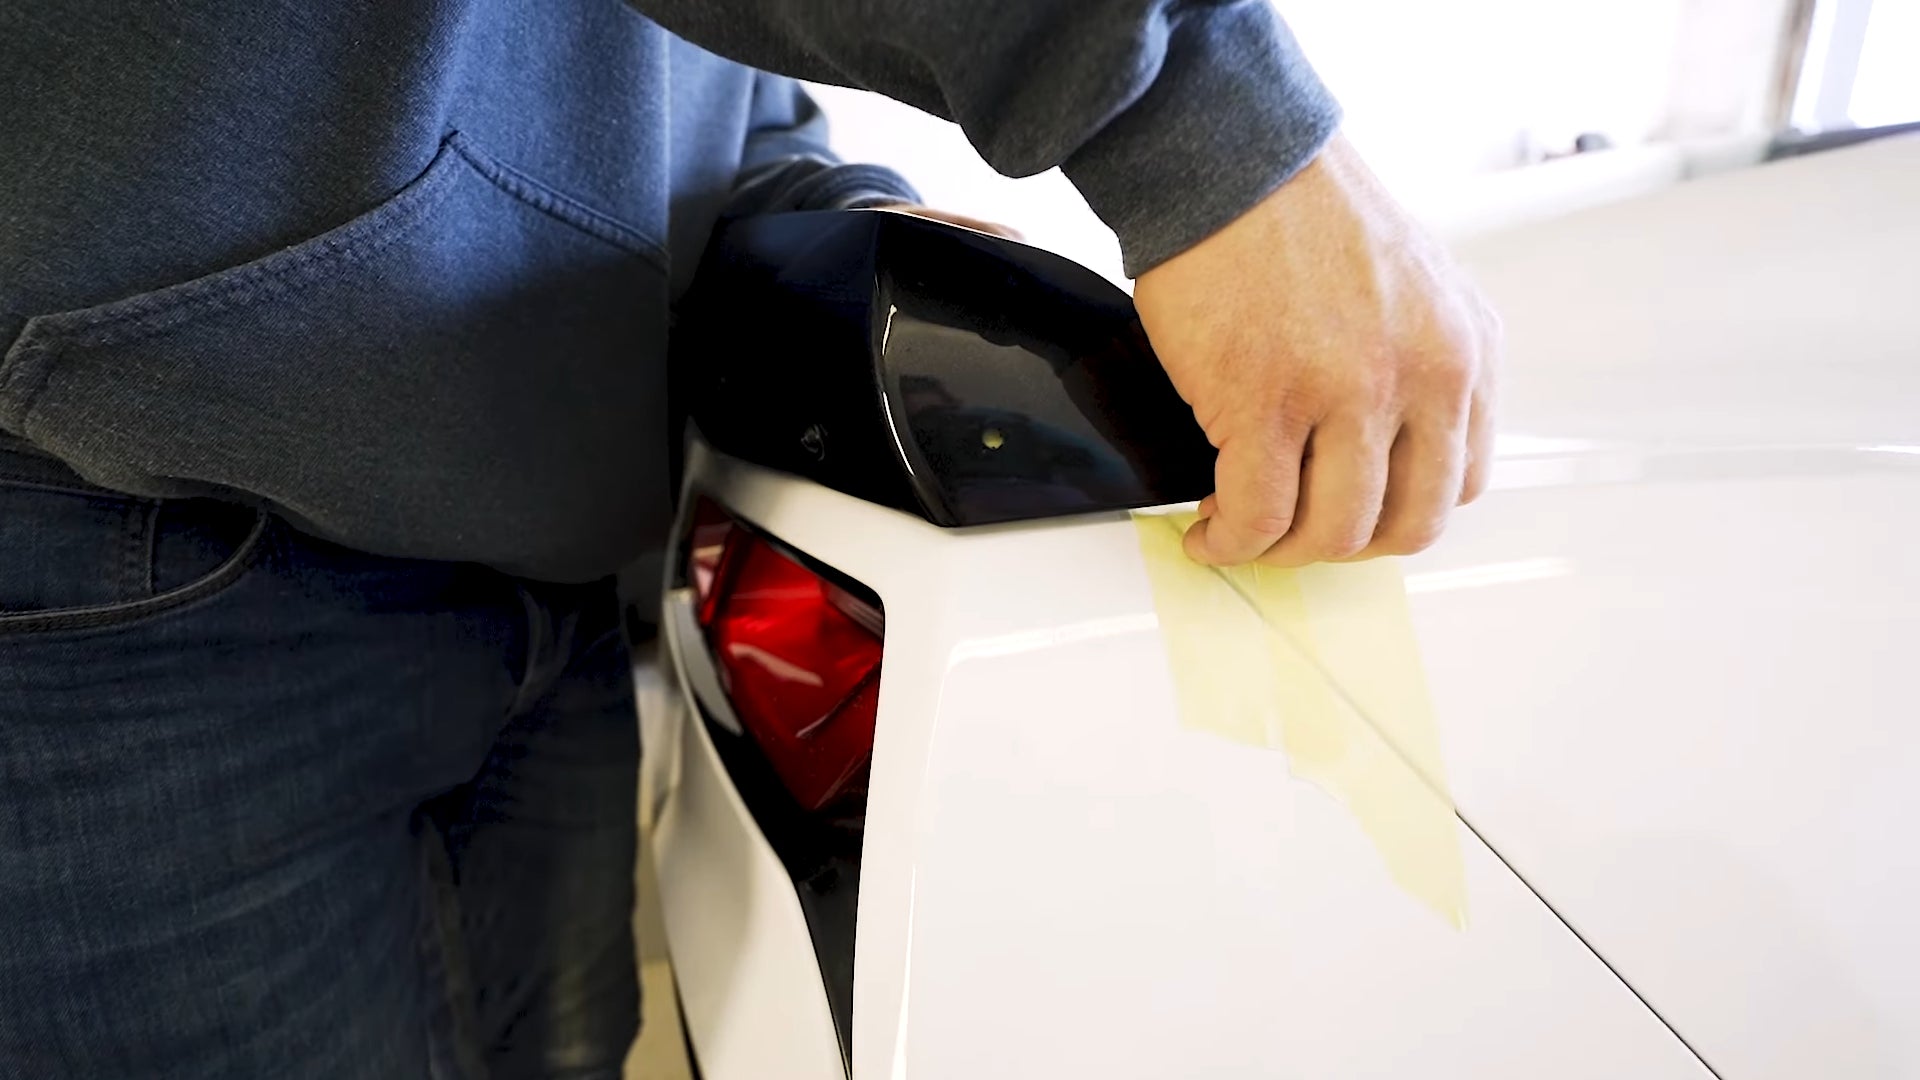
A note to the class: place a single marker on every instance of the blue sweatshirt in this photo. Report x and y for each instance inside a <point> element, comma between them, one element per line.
<point>401,270</point>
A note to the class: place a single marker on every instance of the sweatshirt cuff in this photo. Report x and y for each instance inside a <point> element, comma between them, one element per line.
<point>1234,112</point>
<point>814,182</point>
<point>858,187</point>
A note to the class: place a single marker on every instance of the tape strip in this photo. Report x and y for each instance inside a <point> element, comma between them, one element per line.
<point>1320,663</point>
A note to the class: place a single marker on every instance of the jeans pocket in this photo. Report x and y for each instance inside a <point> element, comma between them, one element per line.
<point>77,557</point>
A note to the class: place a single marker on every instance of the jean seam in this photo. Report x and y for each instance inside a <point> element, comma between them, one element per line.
<point>531,669</point>
<point>151,552</point>
<point>451,1022</point>
<point>103,616</point>
<point>131,572</point>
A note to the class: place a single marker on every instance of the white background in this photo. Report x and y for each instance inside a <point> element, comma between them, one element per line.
<point>1435,93</point>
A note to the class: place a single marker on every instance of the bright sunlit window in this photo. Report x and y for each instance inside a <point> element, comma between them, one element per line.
<point>1886,88</point>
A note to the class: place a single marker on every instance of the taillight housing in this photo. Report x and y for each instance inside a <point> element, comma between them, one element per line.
<point>798,656</point>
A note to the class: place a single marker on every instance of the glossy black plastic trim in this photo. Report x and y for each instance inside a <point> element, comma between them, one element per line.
<point>960,376</point>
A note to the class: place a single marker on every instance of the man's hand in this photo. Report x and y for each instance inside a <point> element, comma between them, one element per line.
<point>1341,364</point>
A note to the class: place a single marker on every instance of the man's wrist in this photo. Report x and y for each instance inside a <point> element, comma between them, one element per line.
<point>1233,114</point>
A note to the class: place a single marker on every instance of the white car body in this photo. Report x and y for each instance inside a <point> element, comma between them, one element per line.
<point>1671,654</point>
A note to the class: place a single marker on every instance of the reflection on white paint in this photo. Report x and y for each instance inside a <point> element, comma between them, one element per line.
<point>1507,445</point>
<point>906,984</point>
<point>1891,448</point>
<point>1048,637</point>
<point>1503,573</point>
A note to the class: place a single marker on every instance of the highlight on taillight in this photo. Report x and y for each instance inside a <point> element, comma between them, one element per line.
<point>798,656</point>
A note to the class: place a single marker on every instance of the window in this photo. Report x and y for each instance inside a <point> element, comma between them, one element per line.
<point>1859,69</point>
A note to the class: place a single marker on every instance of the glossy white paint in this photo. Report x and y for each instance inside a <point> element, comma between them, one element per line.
<point>1058,879</point>
<point>1701,740</point>
<point>750,990</point>
<point>1670,655</point>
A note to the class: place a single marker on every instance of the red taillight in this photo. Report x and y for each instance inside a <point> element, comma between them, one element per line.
<point>799,657</point>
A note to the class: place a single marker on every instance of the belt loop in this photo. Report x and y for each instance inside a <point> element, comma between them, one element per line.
<point>539,638</point>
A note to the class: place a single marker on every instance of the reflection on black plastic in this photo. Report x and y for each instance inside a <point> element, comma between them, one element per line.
<point>964,377</point>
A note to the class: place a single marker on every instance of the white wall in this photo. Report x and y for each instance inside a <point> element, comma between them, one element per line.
<point>1435,92</point>
<point>1727,67</point>
<point>939,161</point>
<point>1442,89</point>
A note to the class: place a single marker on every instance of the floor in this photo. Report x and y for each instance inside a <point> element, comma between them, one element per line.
<point>660,1053</point>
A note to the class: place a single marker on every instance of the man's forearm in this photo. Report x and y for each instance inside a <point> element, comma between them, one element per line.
<point>1172,118</point>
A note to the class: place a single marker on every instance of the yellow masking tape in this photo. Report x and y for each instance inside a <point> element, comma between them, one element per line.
<point>1321,663</point>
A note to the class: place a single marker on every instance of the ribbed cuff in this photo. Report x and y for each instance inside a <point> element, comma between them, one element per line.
<point>856,187</point>
<point>809,182</point>
<point>1235,111</point>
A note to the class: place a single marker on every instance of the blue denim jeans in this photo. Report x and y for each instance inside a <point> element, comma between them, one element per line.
<point>273,808</point>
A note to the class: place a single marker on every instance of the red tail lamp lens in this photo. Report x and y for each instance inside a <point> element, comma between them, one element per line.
<point>799,657</point>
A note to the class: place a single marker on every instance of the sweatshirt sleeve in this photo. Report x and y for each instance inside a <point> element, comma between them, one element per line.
<point>1172,117</point>
<point>788,164</point>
